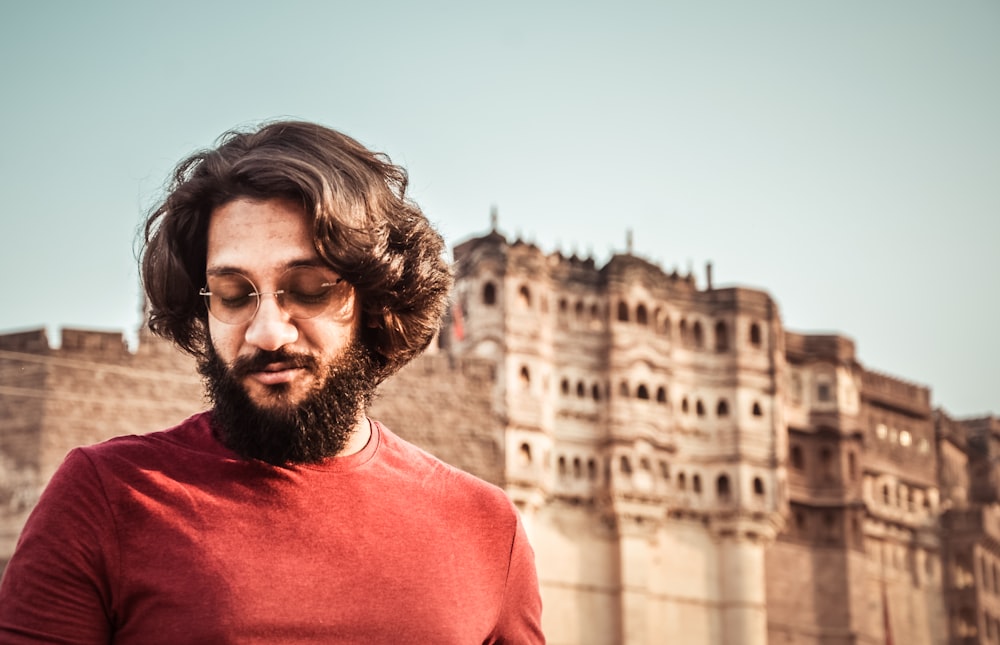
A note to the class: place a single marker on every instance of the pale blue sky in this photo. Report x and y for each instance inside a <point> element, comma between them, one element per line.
<point>844,156</point>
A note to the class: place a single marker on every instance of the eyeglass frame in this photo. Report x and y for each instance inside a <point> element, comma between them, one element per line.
<point>258,295</point>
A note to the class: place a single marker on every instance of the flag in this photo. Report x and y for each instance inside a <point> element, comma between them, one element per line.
<point>457,322</point>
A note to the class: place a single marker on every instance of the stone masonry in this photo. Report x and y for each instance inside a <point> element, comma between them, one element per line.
<point>688,470</point>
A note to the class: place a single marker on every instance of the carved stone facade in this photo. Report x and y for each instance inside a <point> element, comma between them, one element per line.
<point>643,436</point>
<point>687,469</point>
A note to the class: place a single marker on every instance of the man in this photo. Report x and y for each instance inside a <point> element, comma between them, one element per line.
<point>290,263</point>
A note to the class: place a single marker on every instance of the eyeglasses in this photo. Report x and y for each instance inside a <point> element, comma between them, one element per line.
<point>303,292</point>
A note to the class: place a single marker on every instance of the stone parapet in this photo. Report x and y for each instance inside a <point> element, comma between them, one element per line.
<point>896,393</point>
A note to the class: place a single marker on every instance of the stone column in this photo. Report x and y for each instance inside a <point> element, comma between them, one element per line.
<point>633,572</point>
<point>742,589</point>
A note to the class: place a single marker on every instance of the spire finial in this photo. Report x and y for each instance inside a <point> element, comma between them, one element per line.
<point>628,241</point>
<point>494,216</point>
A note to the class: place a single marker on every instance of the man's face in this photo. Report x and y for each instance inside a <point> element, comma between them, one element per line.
<point>286,389</point>
<point>262,240</point>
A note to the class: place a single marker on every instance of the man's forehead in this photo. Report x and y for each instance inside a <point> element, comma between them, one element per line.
<point>262,236</point>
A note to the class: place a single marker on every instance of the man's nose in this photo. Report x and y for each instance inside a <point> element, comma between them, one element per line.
<point>271,328</point>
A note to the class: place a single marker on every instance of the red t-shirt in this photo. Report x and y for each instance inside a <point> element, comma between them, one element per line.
<point>171,538</point>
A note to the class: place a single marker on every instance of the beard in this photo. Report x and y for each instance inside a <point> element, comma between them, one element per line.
<point>284,433</point>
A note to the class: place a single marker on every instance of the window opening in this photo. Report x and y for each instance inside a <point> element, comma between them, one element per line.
<point>721,337</point>
<point>489,294</point>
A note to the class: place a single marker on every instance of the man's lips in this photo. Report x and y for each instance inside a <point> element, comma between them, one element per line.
<point>275,373</point>
<point>270,368</point>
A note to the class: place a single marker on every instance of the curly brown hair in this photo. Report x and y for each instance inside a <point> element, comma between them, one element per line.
<point>364,226</point>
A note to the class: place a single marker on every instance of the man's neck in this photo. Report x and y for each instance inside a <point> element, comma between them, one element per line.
<point>359,438</point>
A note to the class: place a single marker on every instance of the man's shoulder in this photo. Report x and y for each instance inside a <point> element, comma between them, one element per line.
<point>193,433</point>
<point>103,470</point>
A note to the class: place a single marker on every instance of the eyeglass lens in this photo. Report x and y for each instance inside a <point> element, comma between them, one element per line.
<point>303,292</point>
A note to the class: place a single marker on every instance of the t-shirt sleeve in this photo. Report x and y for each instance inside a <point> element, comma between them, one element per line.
<point>57,586</point>
<point>520,619</point>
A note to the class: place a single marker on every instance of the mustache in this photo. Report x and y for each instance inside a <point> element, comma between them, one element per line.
<point>259,361</point>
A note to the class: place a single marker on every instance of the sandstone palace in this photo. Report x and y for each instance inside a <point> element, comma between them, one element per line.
<point>689,471</point>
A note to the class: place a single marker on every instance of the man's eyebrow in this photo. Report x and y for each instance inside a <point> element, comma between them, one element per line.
<point>221,270</point>
<point>294,264</point>
<point>312,262</point>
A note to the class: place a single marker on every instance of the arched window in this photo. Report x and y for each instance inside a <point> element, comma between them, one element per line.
<point>722,487</point>
<point>563,306</point>
<point>562,466</point>
<point>525,454</point>
<point>625,465</point>
<point>489,294</point>
<point>623,390</point>
<point>524,296</point>
<point>577,467</point>
<point>642,392</point>
<point>622,311</point>
<point>830,522</point>
<point>699,408</point>
<point>525,376</point>
<point>826,461</point>
<point>683,328</point>
<point>684,405</point>
<point>641,316</point>
<point>665,326</point>
<point>681,482</point>
<point>758,486</point>
<point>578,310</point>
<point>697,335</point>
<point>722,409</point>
<point>591,469</point>
<point>721,337</point>
<point>755,337</point>
<point>757,412</point>
<point>661,394</point>
<point>595,392</point>
<point>581,390</point>
<point>664,470</point>
<point>800,520</point>
<point>796,456</point>
<point>564,386</point>
<point>696,483</point>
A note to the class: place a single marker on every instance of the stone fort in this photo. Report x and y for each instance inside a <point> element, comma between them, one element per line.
<point>688,470</point>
